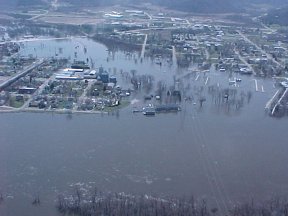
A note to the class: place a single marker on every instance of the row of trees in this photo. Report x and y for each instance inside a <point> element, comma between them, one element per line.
<point>99,203</point>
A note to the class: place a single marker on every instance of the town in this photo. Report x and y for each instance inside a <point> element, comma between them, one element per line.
<point>196,45</point>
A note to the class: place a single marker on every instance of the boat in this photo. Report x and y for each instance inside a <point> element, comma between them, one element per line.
<point>168,108</point>
<point>80,65</point>
<point>232,82</point>
<point>149,110</point>
<point>136,110</point>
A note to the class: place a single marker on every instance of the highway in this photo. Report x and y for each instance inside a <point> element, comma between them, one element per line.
<point>279,102</point>
<point>27,70</point>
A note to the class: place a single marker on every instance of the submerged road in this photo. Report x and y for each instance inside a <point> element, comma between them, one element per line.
<point>174,58</point>
<point>144,46</point>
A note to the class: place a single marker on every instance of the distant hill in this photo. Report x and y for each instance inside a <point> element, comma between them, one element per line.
<point>271,2</point>
<point>216,6</point>
<point>16,3</point>
<point>200,6</point>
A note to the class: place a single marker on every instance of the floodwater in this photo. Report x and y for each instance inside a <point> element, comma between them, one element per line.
<point>216,152</point>
<point>99,55</point>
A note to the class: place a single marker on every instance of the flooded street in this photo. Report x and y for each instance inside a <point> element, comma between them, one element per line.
<point>221,152</point>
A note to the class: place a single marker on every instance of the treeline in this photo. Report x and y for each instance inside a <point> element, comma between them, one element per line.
<point>115,43</point>
<point>277,16</point>
<point>25,27</point>
<point>20,3</point>
<point>120,204</point>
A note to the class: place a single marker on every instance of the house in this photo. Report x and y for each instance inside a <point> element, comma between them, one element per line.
<point>26,90</point>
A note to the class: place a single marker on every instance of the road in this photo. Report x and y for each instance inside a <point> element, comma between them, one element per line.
<point>38,15</point>
<point>147,14</point>
<point>245,62</point>
<point>82,98</point>
<point>37,92</point>
<point>207,54</point>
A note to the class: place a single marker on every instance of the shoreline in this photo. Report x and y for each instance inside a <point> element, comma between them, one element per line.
<point>16,110</point>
